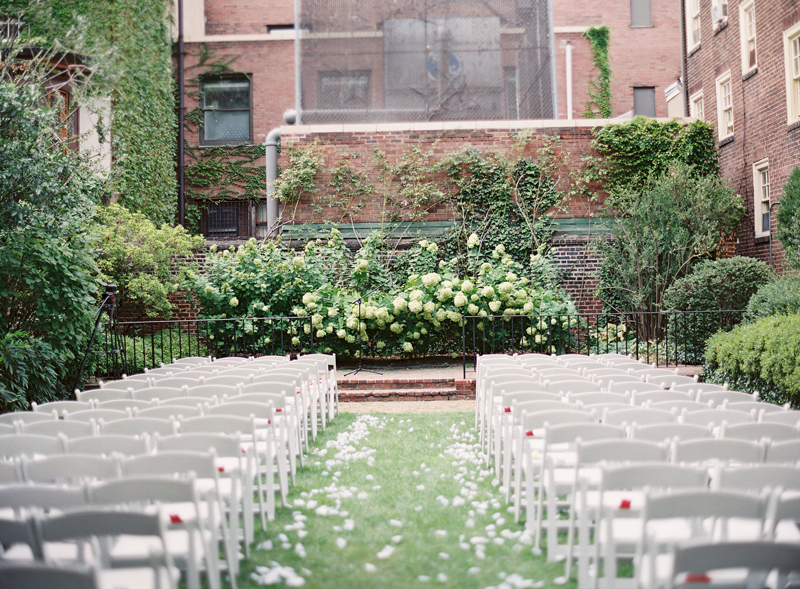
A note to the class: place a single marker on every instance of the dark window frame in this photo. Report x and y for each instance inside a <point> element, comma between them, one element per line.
<point>227,78</point>
<point>651,92</point>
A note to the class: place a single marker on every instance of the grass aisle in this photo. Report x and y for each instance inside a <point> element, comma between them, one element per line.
<point>396,501</point>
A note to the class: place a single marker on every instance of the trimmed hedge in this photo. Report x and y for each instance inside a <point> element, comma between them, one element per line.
<point>763,356</point>
<point>779,296</point>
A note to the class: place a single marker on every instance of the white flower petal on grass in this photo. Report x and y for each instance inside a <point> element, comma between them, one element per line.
<point>369,477</point>
<point>385,552</point>
<point>441,577</point>
<point>397,539</point>
<point>362,495</point>
<point>423,578</point>
<point>341,542</point>
<point>499,541</point>
<point>463,545</point>
<point>299,502</point>
<point>418,508</point>
<point>376,488</point>
<point>458,501</point>
<point>420,487</point>
<point>473,570</point>
<point>286,545</point>
<point>265,545</point>
<point>444,555</point>
<point>283,537</point>
<point>396,523</point>
<point>470,523</point>
<point>311,504</point>
<point>370,568</point>
<point>440,533</point>
<point>302,534</point>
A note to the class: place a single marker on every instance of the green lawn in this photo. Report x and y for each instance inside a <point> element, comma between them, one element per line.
<point>397,501</point>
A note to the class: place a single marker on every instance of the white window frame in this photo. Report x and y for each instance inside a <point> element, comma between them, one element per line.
<point>791,48</point>
<point>692,19</point>
<point>747,30</point>
<point>725,119</point>
<point>761,195</point>
<point>695,100</point>
<point>724,20</point>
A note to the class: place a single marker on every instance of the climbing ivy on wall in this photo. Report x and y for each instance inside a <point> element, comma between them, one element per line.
<point>127,44</point>
<point>599,89</point>
<point>221,173</point>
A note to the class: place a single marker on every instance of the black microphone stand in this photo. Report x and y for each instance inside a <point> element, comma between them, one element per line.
<point>361,341</point>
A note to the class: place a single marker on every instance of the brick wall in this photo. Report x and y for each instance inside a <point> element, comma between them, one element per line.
<point>761,129</point>
<point>579,263</point>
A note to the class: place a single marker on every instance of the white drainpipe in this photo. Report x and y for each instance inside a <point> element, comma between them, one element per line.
<point>569,79</point>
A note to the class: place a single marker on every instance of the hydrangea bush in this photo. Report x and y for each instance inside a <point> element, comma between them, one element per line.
<point>423,314</point>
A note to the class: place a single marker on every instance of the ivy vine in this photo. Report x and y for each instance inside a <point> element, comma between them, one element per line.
<point>600,89</point>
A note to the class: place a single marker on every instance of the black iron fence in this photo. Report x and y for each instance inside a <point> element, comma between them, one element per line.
<point>666,339</point>
<point>148,344</point>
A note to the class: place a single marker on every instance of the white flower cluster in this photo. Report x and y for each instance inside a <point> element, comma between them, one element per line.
<point>431,280</point>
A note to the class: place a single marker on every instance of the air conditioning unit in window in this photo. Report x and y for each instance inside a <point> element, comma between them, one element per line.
<point>719,12</point>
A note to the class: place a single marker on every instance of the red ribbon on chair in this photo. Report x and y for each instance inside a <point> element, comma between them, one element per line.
<point>697,578</point>
<point>508,409</point>
<point>625,504</point>
<point>529,433</point>
<point>175,518</point>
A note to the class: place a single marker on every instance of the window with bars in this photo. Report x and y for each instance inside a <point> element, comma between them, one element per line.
<point>761,197</point>
<point>222,220</point>
<point>747,20</point>
<point>693,16</point>
<point>725,106</point>
<point>225,103</point>
<point>344,90</point>
<point>697,106</point>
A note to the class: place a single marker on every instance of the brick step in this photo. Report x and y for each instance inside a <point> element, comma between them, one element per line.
<point>420,383</point>
<point>398,394</point>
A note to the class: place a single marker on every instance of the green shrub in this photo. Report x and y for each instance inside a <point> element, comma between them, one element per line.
<point>28,372</point>
<point>763,356</point>
<point>788,217</point>
<point>779,296</point>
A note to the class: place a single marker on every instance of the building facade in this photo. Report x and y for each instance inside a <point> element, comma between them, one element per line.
<point>529,60</point>
<point>743,75</point>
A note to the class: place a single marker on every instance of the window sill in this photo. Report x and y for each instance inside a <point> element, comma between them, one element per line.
<point>749,74</point>
<point>726,140</point>
<point>793,126</point>
<point>721,26</point>
<point>761,239</point>
<point>694,50</point>
<point>225,144</point>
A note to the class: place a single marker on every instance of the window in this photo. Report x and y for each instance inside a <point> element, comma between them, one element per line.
<point>223,220</point>
<point>644,101</point>
<point>693,24</point>
<point>510,88</point>
<point>696,101</point>
<point>719,14</point>
<point>226,111</point>
<point>761,197</point>
<point>747,20</point>
<point>725,106</point>
<point>641,13</point>
<point>791,42</point>
<point>344,90</point>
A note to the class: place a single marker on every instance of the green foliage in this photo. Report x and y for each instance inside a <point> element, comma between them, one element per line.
<point>130,63</point>
<point>28,372</point>
<point>632,154</point>
<point>759,356</point>
<point>779,296</point>
<point>661,232</point>
<point>600,90</point>
<point>47,285</point>
<point>727,283</point>
<point>788,218</point>
<point>421,315</point>
<point>146,262</point>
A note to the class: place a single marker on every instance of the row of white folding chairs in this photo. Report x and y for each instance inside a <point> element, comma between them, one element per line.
<point>189,508</point>
<point>615,407</point>
<point>563,474</point>
<point>638,510</point>
<point>528,449</point>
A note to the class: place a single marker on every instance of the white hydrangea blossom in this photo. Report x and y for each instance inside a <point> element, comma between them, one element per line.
<point>444,294</point>
<point>408,347</point>
<point>488,292</point>
<point>494,306</point>
<point>473,241</point>
<point>429,307</point>
<point>415,307</point>
<point>417,294</point>
<point>460,300</point>
<point>430,280</point>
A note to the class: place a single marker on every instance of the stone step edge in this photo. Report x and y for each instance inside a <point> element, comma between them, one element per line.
<point>413,383</point>
<point>451,394</point>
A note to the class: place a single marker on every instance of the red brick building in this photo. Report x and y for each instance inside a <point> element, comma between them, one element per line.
<point>242,55</point>
<point>743,75</point>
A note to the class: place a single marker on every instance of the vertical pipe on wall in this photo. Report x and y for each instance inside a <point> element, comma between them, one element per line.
<point>552,34</point>
<point>271,153</point>
<point>684,80</point>
<point>568,49</point>
<point>297,85</point>
<point>181,114</point>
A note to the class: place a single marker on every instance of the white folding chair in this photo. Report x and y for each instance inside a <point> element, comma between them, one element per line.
<point>491,371</point>
<point>697,387</point>
<point>791,417</point>
<point>31,575</point>
<point>670,380</point>
<point>718,397</point>
<point>178,382</point>
<point>18,541</point>
<point>668,432</point>
<point>26,417</point>
<point>170,411</point>
<point>109,444</point>
<point>17,498</point>
<point>329,361</point>
<point>678,407</point>
<point>564,387</point>
<point>7,429</point>
<point>716,417</point>
<point>292,388</point>
<point>59,406</point>
<point>124,404</point>
<point>216,391</point>
<point>10,471</point>
<point>783,452</point>
<point>637,416</point>
<point>631,386</point>
<point>326,380</point>
<point>69,469</point>
<point>758,477</point>
<point>752,406</point>
<point>753,561</point>
<point>714,451</point>
<point>68,429</point>
<point>126,384</point>
<point>14,446</point>
<point>190,537</point>
<point>136,426</point>
<point>231,380</point>
<point>106,394</point>
<point>95,415</point>
<point>783,524</point>
<point>159,393</point>
<point>659,396</point>
<point>130,548</point>
<point>774,432</point>
<point>621,499</point>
